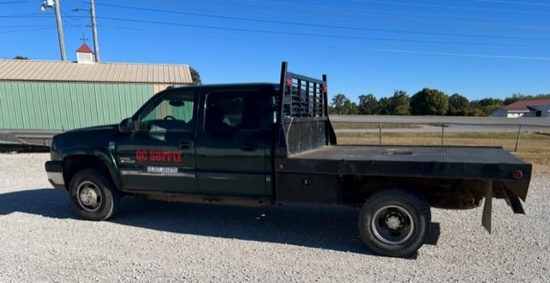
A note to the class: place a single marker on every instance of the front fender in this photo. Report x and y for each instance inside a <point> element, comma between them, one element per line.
<point>82,157</point>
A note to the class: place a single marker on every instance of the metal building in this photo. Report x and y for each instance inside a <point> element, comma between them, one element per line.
<point>59,95</point>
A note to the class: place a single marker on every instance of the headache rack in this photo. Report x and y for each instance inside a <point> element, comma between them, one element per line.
<point>303,109</point>
<point>303,96</point>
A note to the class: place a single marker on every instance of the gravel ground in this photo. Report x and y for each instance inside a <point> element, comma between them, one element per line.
<point>41,240</point>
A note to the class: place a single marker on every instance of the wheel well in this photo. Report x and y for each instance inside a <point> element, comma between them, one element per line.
<point>74,164</point>
<point>439,192</point>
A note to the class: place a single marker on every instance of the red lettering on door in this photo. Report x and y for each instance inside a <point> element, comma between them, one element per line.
<point>141,155</point>
<point>161,156</point>
<point>177,156</point>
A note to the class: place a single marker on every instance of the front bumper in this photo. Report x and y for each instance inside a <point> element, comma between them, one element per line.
<point>54,169</point>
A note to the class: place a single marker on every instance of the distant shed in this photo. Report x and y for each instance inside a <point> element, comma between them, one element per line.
<point>62,95</point>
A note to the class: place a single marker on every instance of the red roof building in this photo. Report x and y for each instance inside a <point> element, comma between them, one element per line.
<point>524,108</point>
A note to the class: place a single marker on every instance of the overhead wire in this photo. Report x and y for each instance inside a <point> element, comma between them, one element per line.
<point>316,34</point>
<point>306,44</point>
<point>516,2</point>
<point>455,7</point>
<point>326,26</point>
<point>491,37</point>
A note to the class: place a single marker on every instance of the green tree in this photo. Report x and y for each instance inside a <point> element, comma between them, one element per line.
<point>458,105</point>
<point>195,76</point>
<point>484,106</point>
<point>543,96</point>
<point>518,97</point>
<point>429,102</point>
<point>474,109</point>
<point>19,57</point>
<point>341,105</point>
<point>514,98</point>
<point>489,104</point>
<point>384,106</point>
<point>368,104</point>
<point>399,103</point>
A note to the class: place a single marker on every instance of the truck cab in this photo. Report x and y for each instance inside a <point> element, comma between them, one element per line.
<point>207,140</point>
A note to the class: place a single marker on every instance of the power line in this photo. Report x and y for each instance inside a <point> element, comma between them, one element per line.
<point>516,2</point>
<point>12,2</point>
<point>535,24</point>
<point>331,8</point>
<point>305,44</point>
<point>460,7</point>
<point>28,29</point>
<point>326,26</point>
<point>29,15</point>
<point>315,35</point>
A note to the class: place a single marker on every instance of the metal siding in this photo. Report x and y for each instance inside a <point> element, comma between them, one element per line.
<point>64,106</point>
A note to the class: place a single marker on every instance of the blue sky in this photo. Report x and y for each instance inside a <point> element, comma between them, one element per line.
<point>477,48</point>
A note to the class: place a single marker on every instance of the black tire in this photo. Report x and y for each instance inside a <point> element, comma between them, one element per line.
<point>93,196</point>
<point>394,222</point>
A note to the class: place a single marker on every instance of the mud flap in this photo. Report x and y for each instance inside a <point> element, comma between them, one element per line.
<point>513,201</point>
<point>487,206</point>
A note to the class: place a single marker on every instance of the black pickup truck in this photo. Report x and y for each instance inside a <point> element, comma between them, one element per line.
<point>273,143</point>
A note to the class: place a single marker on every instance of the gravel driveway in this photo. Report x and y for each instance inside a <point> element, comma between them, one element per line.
<point>42,241</point>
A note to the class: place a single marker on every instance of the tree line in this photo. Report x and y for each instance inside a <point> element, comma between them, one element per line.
<point>425,102</point>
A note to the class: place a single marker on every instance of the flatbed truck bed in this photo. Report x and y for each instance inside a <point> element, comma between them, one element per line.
<point>410,161</point>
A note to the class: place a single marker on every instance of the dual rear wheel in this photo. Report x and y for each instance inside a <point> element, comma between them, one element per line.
<point>394,222</point>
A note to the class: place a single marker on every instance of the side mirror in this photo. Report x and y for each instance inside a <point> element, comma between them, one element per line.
<point>126,126</point>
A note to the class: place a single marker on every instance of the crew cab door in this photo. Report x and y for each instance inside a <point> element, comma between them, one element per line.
<point>159,153</point>
<point>234,144</point>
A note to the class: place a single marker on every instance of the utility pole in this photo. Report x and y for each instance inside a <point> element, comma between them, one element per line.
<point>57,10</point>
<point>94,30</point>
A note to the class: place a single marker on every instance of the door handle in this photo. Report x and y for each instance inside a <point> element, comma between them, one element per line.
<point>248,146</point>
<point>185,144</point>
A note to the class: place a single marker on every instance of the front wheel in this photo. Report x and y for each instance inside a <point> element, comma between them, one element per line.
<point>93,196</point>
<point>394,222</point>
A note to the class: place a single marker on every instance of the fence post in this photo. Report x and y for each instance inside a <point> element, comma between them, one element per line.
<point>442,133</point>
<point>379,133</point>
<point>517,138</point>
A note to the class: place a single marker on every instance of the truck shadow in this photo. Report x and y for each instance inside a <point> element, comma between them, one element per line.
<point>44,202</point>
<point>316,226</point>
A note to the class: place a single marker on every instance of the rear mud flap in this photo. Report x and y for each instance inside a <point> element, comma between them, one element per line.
<point>487,206</point>
<point>511,197</point>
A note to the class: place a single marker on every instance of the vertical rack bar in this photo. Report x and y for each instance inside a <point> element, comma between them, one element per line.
<point>325,99</point>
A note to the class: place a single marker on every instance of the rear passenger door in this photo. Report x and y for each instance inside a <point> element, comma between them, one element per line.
<point>233,144</point>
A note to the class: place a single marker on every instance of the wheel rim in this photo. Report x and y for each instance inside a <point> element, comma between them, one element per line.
<point>89,196</point>
<point>392,225</point>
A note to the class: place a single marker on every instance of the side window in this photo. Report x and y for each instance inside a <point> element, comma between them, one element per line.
<point>232,111</point>
<point>173,112</point>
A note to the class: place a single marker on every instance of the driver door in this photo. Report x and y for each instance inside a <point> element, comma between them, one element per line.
<point>159,155</point>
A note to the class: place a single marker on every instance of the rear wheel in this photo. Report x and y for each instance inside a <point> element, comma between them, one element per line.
<point>93,196</point>
<point>394,222</point>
